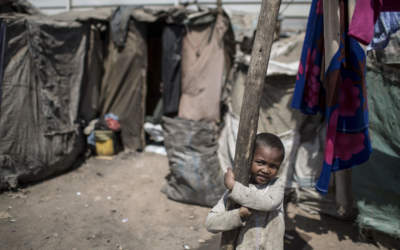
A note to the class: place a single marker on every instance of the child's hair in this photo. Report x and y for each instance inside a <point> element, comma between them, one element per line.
<point>269,140</point>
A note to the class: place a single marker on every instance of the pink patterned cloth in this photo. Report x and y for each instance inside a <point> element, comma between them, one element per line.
<point>365,14</point>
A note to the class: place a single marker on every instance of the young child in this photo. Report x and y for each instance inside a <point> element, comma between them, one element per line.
<point>260,216</point>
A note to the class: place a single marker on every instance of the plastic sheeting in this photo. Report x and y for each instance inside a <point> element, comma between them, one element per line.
<point>44,64</point>
<point>376,183</point>
<point>123,88</point>
<point>195,175</point>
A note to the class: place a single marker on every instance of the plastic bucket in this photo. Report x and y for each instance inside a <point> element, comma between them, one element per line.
<point>105,142</point>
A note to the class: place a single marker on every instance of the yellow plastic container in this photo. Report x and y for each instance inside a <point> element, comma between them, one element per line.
<point>104,142</point>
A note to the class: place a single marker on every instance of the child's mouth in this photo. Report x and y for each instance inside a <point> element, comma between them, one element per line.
<point>262,177</point>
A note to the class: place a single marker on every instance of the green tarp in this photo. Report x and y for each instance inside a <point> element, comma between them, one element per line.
<point>376,183</point>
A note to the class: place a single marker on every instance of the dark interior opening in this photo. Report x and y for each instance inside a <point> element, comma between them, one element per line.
<point>154,57</point>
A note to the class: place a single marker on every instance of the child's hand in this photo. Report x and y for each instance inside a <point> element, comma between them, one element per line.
<point>229,179</point>
<point>244,212</point>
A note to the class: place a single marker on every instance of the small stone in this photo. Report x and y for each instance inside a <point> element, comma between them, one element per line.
<point>201,241</point>
<point>78,193</point>
<point>86,205</point>
<point>186,246</point>
<point>125,220</point>
<point>114,211</point>
<point>9,207</point>
<point>55,235</point>
<point>108,197</point>
<point>13,220</point>
<point>191,228</point>
<point>4,215</point>
<point>191,217</point>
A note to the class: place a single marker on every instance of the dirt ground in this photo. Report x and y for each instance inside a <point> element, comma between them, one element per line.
<point>117,204</point>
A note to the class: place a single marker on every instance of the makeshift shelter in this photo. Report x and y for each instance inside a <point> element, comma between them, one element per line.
<point>43,72</point>
<point>63,71</point>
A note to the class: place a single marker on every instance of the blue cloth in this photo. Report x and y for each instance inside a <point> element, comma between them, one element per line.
<point>341,96</point>
<point>387,24</point>
<point>111,116</point>
<point>91,140</point>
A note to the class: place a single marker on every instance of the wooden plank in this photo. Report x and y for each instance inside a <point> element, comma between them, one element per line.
<point>251,100</point>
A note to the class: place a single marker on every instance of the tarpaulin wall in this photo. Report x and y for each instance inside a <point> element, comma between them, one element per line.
<point>43,72</point>
<point>123,88</point>
<point>376,183</point>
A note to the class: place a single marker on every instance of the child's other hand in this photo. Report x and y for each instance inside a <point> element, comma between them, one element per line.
<point>244,212</point>
<point>229,179</point>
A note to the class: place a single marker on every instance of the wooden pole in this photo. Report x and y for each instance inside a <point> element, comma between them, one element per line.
<point>219,6</point>
<point>251,100</point>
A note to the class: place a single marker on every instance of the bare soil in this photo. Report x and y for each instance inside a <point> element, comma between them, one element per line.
<point>117,204</point>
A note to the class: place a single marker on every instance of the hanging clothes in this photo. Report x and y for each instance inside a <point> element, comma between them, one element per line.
<point>171,67</point>
<point>203,62</point>
<point>331,80</point>
<point>365,15</point>
<point>387,24</point>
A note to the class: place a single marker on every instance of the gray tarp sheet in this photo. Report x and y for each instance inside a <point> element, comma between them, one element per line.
<point>123,88</point>
<point>44,64</point>
<point>195,175</point>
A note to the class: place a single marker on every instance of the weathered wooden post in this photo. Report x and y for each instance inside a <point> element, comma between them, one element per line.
<point>219,6</point>
<point>251,100</point>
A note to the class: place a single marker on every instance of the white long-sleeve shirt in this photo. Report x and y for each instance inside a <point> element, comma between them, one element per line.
<point>264,229</point>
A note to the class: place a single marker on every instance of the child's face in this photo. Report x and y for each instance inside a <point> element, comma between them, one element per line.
<point>265,164</point>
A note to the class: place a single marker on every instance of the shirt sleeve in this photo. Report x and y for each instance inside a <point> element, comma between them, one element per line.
<point>219,219</point>
<point>259,199</point>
